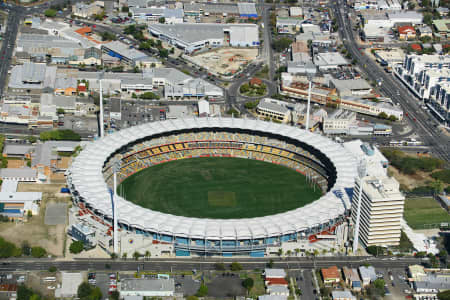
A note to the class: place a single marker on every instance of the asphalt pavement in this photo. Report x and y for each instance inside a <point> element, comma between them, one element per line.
<point>418,119</point>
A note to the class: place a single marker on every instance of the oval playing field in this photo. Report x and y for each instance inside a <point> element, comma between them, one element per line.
<point>220,188</point>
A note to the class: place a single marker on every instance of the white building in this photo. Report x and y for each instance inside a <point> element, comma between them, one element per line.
<point>147,287</point>
<point>338,122</point>
<point>273,109</point>
<point>381,203</point>
<point>193,37</point>
<point>330,60</point>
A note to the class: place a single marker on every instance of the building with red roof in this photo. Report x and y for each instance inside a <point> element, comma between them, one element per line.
<point>331,275</point>
<point>406,32</point>
<point>416,47</point>
<point>276,281</point>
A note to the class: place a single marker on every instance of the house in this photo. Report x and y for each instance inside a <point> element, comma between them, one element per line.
<point>442,27</point>
<point>406,32</point>
<point>416,47</point>
<point>18,174</point>
<point>255,81</point>
<point>330,275</point>
<point>276,281</point>
<point>352,278</point>
<point>416,272</point>
<point>425,30</point>
<point>368,275</point>
<point>342,295</point>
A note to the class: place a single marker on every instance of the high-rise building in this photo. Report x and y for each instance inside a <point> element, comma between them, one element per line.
<point>381,202</point>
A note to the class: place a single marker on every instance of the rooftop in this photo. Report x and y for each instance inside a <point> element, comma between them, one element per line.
<point>125,50</point>
<point>274,273</point>
<point>329,59</point>
<point>18,172</point>
<point>140,285</point>
<point>368,272</point>
<point>273,105</point>
<point>350,84</point>
<point>20,196</point>
<point>442,25</point>
<point>12,149</point>
<point>330,273</point>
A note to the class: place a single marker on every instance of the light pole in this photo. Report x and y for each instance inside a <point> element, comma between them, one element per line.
<point>116,168</point>
<point>310,72</point>
<point>102,129</point>
<point>361,175</point>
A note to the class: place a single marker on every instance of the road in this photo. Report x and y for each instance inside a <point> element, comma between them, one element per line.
<point>9,40</point>
<point>418,119</point>
<point>180,264</point>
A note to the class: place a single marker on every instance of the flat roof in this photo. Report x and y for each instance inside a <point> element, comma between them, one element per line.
<point>12,149</point>
<point>20,196</point>
<point>329,58</point>
<point>124,50</point>
<point>18,172</point>
<point>247,9</point>
<point>142,285</point>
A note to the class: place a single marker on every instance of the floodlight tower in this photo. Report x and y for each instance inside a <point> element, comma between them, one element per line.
<point>102,122</point>
<point>361,174</point>
<point>116,168</point>
<point>310,73</point>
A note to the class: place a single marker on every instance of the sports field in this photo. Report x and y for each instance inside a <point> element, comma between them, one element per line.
<point>221,188</point>
<point>424,211</point>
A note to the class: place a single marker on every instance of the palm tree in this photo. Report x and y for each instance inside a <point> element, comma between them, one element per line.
<point>147,254</point>
<point>136,255</point>
<point>297,251</point>
<point>316,252</point>
<point>113,255</point>
<point>289,253</point>
<point>280,252</point>
<point>324,251</point>
<point>124,256</point>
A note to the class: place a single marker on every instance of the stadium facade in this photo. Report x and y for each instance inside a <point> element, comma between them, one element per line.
<point>327,164</point>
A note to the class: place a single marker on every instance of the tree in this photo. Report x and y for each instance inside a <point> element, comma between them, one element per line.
<point>60,135</point>
<point>147,254</point>
<point>248,284</point>
<point>125,9</point>
<point>281,44</point>
<point>96,294</point>
<point>162,20</point>
<point>379,285</point>
<point>270,264</point>
<point>32,139</point>
<point>38,252</point>
<point>24,293</point>
<point>428,19</point>
<point>375,250</point>
<point>26,249</point>
<point>113,255</point>
<point>114,295</point>
<point>192,298</point>
<point>124,256</point>
<point>444,295</point>
<point>76,247</point>
<point>60,111</point>
<point>392,118</point>
<point>202,290</point>
<point>136,255</point>
<point>149,96</point>
<point>163,53</point>
<point>382,115</point>
<point>50,13</point>
<point>280,252</point>
<point>235,266</point>
<point>437,186</point>
<point>219,266</point>
<point>289,253</point>
<point>245,88</point>
<point>84,290</point>
<point>52,269</point>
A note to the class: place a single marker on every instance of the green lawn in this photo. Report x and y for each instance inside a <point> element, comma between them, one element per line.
<point>421,211</point>
<point>218,188</point>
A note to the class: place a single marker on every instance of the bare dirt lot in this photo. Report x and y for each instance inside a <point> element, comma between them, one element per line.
<point>50,237</point>
<point>225,61</point>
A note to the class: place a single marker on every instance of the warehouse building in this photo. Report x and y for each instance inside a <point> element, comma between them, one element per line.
<point>193,37</point>
<point>127,55</point>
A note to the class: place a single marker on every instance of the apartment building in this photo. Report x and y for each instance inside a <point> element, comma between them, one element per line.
<point>382,202</point>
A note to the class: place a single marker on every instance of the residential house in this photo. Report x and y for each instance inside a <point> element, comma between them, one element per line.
<point>330,275</point>
<point>352,278</point>
<point>442,27</point>
<point>368,275</point>
<point>342,295</point>
<point>406,32</point>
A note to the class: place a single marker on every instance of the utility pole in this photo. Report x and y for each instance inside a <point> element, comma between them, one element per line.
<point>310,72</point>
<point>102,124</point>
<point>116,168</point>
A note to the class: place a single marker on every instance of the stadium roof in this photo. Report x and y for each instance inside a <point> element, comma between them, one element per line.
<point>87,178</point>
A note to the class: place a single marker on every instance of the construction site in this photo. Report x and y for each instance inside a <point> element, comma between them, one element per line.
<point>225,61</point>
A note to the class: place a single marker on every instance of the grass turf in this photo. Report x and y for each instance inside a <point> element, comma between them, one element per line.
<point>220,188</point>
<point>421,211</point>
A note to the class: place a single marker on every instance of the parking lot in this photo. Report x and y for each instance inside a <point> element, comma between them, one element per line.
<point>55,213</point>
